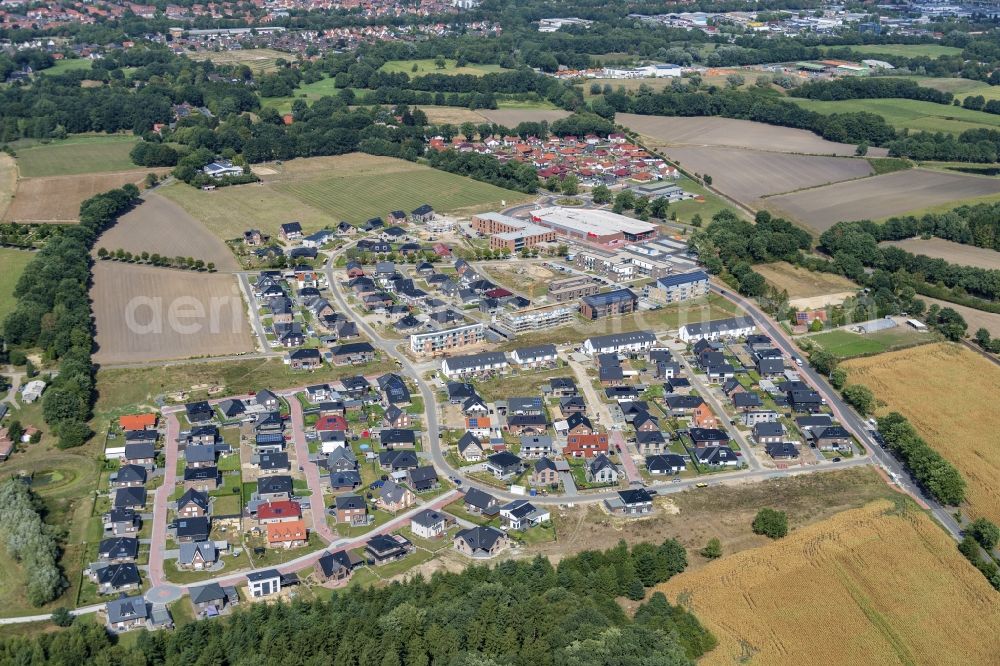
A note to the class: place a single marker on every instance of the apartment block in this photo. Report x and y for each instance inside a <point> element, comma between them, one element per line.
<point>438,342</point>
<point>536,319</point>
<point>573,288</point>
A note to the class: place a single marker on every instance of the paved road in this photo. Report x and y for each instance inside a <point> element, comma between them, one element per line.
<point>844,413</point>
<point>254,312</point>
<point>708,393</point>
<point>310,470</point>
<point>160,499</point>
<point>23,619</point>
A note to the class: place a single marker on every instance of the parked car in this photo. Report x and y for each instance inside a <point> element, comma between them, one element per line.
<point>836,460</point>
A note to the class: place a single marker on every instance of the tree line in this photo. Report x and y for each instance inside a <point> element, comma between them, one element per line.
<point>928,467</point>
<point>870,88</point>
<point>972,145</point>
<point>855,246</point>
<point>759,105</point>
<point>30,541</point>
<point>518,613</point>
<point>52,312</point>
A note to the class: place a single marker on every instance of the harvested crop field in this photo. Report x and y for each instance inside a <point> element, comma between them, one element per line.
<point>157,314</point>
<point>949,395</point>
<point>160,226</point>
<point>57,199</point>
<point>976,319</point>
<point>956,253</point>
<point>511,117</point>
<point>259,60</point>
<point>876,585</point>
<point>452,115</point>
<point>880,196</point>
<point>748,175</point>
<point>802,284</point>
<point>715,131</point>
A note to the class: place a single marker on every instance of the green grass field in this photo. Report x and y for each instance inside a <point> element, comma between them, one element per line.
<point>307,91</point>
<point>689,208</point>
<point>356,198</point>
<point>427,66</point>
<point>910,114</point>
<point>907,50</point>
<point>13,262</point>
<point>845,344</point>
<point>63,66</point>
<point>79,154</point>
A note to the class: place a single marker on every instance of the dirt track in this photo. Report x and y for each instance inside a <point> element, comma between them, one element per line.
<point>747,175</point>
<point>716,131</point>
<point>160,226</point>
<point>145,314</point>
<point>880,196</point>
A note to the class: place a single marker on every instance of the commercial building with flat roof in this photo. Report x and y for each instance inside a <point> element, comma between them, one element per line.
<point>595,226</point>
<point>573,288</point>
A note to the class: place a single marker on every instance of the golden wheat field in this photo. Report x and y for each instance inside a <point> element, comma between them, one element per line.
<point>876,585</point>
<point>949,394</point>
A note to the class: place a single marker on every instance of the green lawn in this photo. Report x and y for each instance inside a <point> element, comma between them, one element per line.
<point>427,66</point>
<point>13,262</point>
<point>355,198</point>
<point>308,91</point>
<point>76,155</point>
<point>910,114</point>
<point>845,344</point>
<point>67,65</point>
<point>689,208</point>
<point>906,50</point>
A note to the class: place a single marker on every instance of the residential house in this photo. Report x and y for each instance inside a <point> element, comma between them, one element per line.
<point>423,478</point>
<point>289,534</point>
<point>304,359</point>
<point>768,433</point>
<point>336,566</point>
<point>480,502</point>
<point>291,231</point>
<point>122,522</point>
<point>137,421</point>
<point>544,473</point>
<point>619,343</point>
<point>754,416</point>
<point>563,387</point>
<point>385,548</point>
<point>128,476</point>
<point>351,510</point>
<point>126,613</point>
<point>536,446</point>
<point>274,488</point>
<point>830,438</point>
<point>734,327</point>
<point>782,450</point>
<point>668,463</point>
<point>572,405</point>
<point>354,353</point>
<point>586,446</point>
<point>649,443</point>
<point>503,465</point>
<point>200,455</point>
<point>143,454</point>
<point>481,541</point>
<point>193,504</point>
<point>702,416</point>
<point>716,456</point>
<point>429,524</point>
<point>602,470</point>
<point>209,599</point>
<point>197,555</point>
<point>201,478</point>
<point>130,497</point>
<point>708,437</point>
<point>118,549</point>
<point>471,448</point>
<point>536,356</point>
<point>632,502</point>
<point>263,583</point>
<point>398,438</point>
<point>474,364</point>
<point>116,578</point>
<point>522,515</point>
<point>398,460</point>
<point>394,390</point>
<point>395,497</point>
<point>682,405</point>
<point>199,412</point>
<point>191,529</point>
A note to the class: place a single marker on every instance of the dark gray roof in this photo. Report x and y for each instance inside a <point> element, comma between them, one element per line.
<point>616,339</point>
<point>480,537</point>
<point>476,360</point>
<point>428,518</point>
<point>719,326</point>
<point>207,593</point>
<point>635,496</point>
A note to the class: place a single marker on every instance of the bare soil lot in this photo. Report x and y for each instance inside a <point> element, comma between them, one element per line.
<point>804,284</point>
<point>880,196</point>
<point>152,314</point>
<point>512,117</point>
<point>57,199</point>
<point>452,115</point>
<point>956,253</point>
<point>160,226</point>
<point>748,175</point>
<point>715,131</point>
